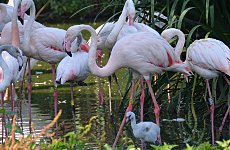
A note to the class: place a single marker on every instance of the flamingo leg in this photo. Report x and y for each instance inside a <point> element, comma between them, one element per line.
<point>129,108</point>
<point>156,107</point>
<point>224,119</point>
<point>73,107</point>
<point>118,86</point>
<point>29,93</point>
<point>100,94</point>
<point>142,98</point>
<point>226,79</point>
<point>3,115</point>
<point>55,94</point>
<point>212,109</point>
<point>22,82</point>
<point>12,97</point>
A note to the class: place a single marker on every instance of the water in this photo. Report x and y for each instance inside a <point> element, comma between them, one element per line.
<point>87,105</point>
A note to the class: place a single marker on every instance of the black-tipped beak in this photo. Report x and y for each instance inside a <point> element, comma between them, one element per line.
<point>69,53</point>
<point>21,20</point>
<point>127,119</point>
<point>19,68</point>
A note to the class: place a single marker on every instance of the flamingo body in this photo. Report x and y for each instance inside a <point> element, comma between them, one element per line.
<point>73,68</point>
<point>209,57</point>
<point>145,131</point>
<point>46,45</point>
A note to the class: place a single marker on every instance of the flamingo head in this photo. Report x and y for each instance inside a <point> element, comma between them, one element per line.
<point>73,44</point>
<point>130,9</point>
<point>129,116</point>
<point>25,5</point>
<point>67,45</point>
<point>15,52</point>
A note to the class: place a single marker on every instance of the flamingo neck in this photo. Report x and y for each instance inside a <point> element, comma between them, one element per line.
<point>134,123</point>
<point>3,12</point>
<point>15,30</point>
<point>28,28</point>
<point>112,38</point>
<point>179,45</point>
<point>5,71</point>
<point>101,72</point>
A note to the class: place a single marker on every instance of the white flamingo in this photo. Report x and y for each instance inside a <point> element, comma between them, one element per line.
<point>43,44</point>
<point>209,58</point>
<point>145,131</point>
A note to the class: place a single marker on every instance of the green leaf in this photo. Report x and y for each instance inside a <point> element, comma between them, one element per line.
<point>182,17</point>
<point>190,34</point>
<point>2,110</point>
<point>207,10</point>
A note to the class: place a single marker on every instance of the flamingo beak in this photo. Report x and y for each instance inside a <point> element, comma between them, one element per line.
<point>128,119</point>
<point>67,45</point>
<point>68,53</point>
<point>85,47</point>
<point>20,62</point>
<point>131,22</point>
<point>21,20</point>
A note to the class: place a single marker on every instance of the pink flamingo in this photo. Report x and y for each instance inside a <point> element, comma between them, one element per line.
<point>10,65</point>
<point>143,52</point>
<point>75,67</point>
<point>43,44</point>
<point>10,28</point>
<point>209,58</point>
<point>6,12</point>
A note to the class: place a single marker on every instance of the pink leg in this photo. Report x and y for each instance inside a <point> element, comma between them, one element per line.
<point>225,117</point>
<point>29,93</point>
<point>55,93</point>
<point>156,107</point>
<point>22,83</point>
<point>12,96</point>
<point>226,79</point>
<point>212,109</point>
<point>129,108</point>
<point>100,94</point>
<point>142,98</point>
<point>3,115</point>
<point>73,107</point>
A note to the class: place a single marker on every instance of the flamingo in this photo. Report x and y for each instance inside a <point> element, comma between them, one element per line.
<point>6,12</point>
<point>73,68</point>
<point>208,58</point>
<point>9,28</point>
<point>9,68</point>
<point>10,65</point>
<point>145,131</point>
<point>43,44</point>
<point>150,55</point>
<point>110,33</point>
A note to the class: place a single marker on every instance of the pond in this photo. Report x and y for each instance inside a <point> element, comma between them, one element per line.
<point>105,124</point>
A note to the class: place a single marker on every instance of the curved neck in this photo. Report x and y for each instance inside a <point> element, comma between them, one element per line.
<point>3,12</point>
<point>15,30</point>
<point>5,70</point>
<point>101,72</point>
<point>179,45</point>
<point>28,27</point>
<point>133,123</point>
<point>112,38</point>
